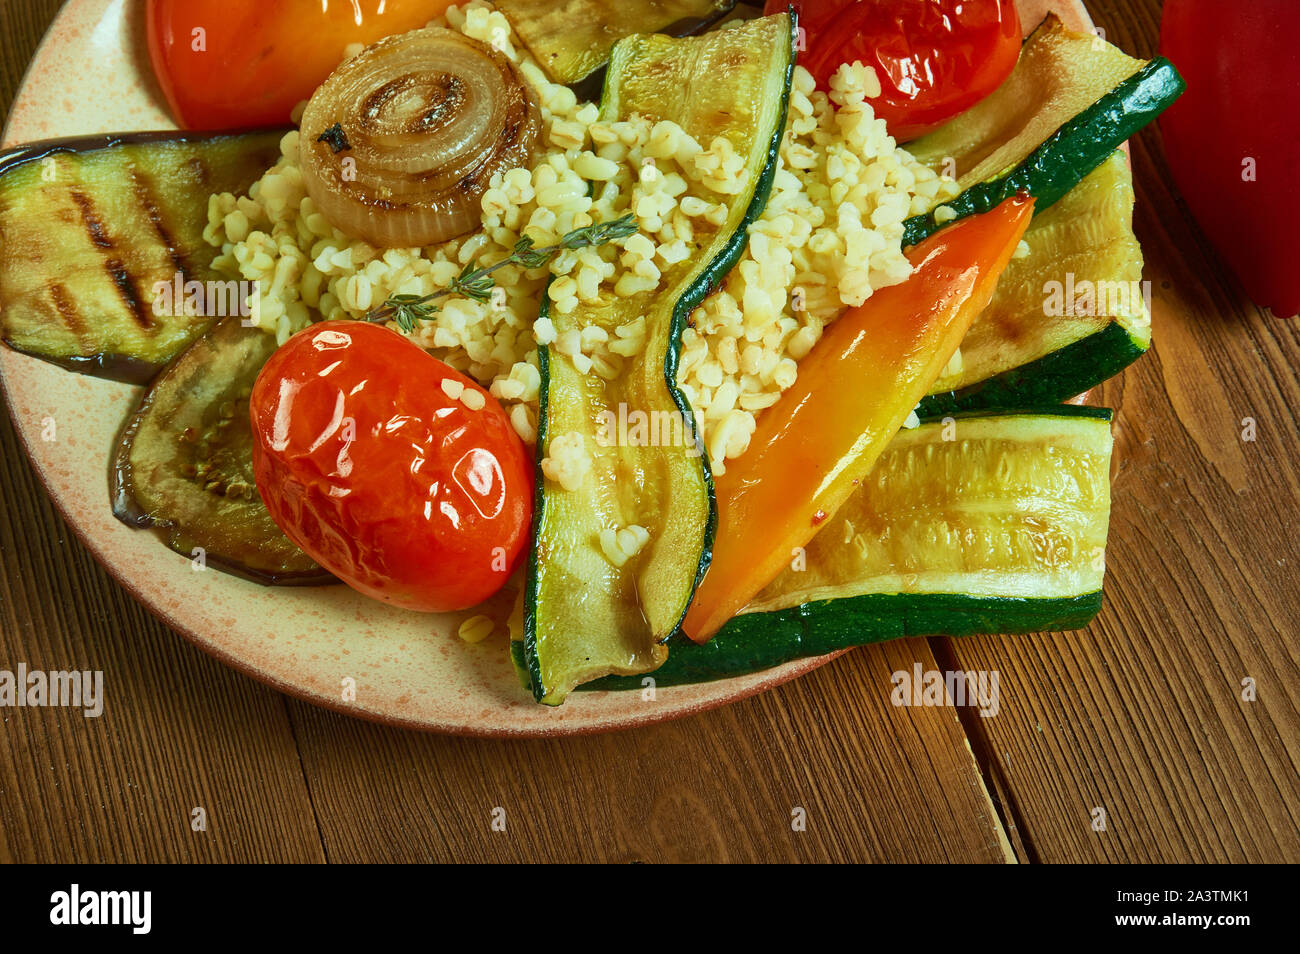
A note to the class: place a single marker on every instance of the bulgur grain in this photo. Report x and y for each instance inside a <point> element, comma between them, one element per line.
<point>831,232</point>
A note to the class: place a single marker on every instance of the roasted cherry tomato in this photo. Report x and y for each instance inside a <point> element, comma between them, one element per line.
<point>934,58</point>
<point>367,462</point>
<point>230,63</point>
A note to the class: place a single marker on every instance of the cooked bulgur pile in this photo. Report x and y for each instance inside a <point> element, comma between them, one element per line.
<point>829,237</point>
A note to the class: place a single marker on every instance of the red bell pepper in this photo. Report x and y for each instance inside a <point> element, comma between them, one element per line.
<point>1231,140</point>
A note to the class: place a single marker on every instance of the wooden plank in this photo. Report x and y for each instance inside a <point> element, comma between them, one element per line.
<point>1143,714</point>
<point>877,783</point>
<point>178,730</point>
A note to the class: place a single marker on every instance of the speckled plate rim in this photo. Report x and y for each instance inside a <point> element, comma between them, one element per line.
<point>76,29</point>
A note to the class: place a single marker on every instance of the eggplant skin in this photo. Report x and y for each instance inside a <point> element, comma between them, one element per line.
<point>88,227</point>
<point>183,464</point>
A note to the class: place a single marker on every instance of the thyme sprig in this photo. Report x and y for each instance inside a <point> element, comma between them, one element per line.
<point>476,283</point>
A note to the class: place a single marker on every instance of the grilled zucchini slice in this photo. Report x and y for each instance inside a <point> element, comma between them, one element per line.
<point>1040,340</point>
<point>993,523</point>
<point>1070,102</point>
<point>585,617</point>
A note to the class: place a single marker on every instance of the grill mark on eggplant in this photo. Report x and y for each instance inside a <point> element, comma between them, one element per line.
<point>145,196</point>
<point>126,287</point>
<point>67,310</point>
<point>122,279</point>
<point>94,226</point>
<point>66,316</point>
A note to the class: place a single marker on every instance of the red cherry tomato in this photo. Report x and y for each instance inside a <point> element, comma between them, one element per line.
<point>406,494</point>
<point>224,64</point>
<point>934,58</point>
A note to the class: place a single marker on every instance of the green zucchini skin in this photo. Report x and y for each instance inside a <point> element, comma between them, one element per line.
<point>756,642</point>
<point>759,641</point>
<point>1070,153</point>
<point>529,657</point>
<point>708,278</point>
<point>1051,379</point>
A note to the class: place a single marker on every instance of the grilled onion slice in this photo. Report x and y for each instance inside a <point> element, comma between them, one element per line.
<point>399,142</point>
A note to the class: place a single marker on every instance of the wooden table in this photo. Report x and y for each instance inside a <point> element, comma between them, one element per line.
<point>1141,715</point>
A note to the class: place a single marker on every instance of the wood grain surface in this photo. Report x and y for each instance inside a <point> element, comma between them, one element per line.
<point>1141,716</point>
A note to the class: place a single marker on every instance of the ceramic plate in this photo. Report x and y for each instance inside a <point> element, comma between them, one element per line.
<point>408,669</point>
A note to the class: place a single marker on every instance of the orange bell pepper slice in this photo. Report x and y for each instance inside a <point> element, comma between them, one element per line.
<point>854,391</point>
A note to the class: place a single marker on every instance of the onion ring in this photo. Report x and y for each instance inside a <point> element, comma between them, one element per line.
<point>399,143</point>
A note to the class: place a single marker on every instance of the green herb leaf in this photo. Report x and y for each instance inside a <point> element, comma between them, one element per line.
<point>407,311</point>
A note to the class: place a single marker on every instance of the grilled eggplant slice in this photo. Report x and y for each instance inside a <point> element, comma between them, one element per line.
<point>89,226</point>
<point>184,462</point>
